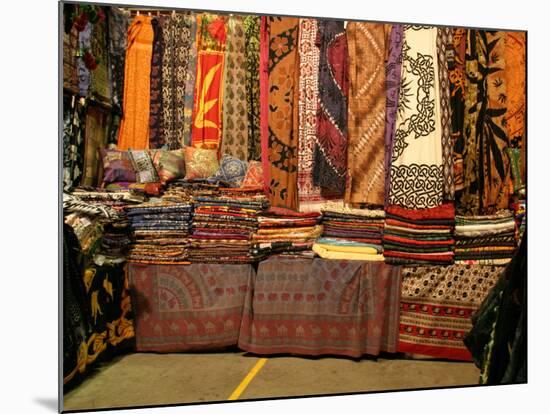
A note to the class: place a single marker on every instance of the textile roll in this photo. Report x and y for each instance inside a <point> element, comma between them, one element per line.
<point>416,172</point>
<point>134,127</point>
<point>282,140</point>
<point>367,113</point>
<point>190,77</point>
<point>329,156</point>
<point>156,131</point>
<point>207,109</point>
<point>252,78</point>
<point>235,118</point>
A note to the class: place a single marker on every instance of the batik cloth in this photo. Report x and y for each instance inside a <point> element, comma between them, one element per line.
<point>156,131</point>
<point>207,108</point>
<point>366,113</point>
<point>252,78</point>
<point>329,156</point>
<point>190,77</point>
<point>134,128</point>
<point>282,140</point>
<point>74,125</point>
<point>235,117</point>
<point>393,81</point>
<point>416,172</point>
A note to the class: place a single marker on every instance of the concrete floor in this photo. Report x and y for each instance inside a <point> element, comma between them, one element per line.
<point>151,379</point>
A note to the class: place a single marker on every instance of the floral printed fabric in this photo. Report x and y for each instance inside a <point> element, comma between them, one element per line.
<point>200,163</point>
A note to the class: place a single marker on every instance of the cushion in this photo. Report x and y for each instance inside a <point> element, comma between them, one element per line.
<point>170,165</point>
<point>232,170</point>
<point>254,175</point>
<point>200,163</point>
<point>117,166</point>
<point>143,166</point>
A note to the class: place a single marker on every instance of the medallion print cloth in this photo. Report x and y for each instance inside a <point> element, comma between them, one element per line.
<point>252,54</point>
<point>416,172</point>
<point>437,303</point>
<point>134,127</point>
<point>188,307</point>
<point>206,131</point>
<point>316,307</point>
<point>156,132</point>
<point>367,113</point>
<point>235,118</point>
<point>329,156</point>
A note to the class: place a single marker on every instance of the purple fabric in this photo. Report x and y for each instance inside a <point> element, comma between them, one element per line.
<point>393,79</point>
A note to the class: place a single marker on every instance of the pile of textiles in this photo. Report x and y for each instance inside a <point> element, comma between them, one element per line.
<point>184,191</point>
<point>223,227</point>
<point>161,231</point>
<point>487,240</point>
<point>423,236</point>
<point>287,232</point>
<point>351,233</point>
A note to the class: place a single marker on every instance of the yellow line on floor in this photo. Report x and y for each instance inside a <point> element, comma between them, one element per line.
<point>244,383</point>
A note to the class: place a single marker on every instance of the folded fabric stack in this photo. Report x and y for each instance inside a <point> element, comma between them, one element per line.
<point>487,240</point>
<point>286,232</point>
<point>422,236</point>
<point>223,226</point>
<point>184,191</point>
<point>161,231</point>
<point>351,233</point>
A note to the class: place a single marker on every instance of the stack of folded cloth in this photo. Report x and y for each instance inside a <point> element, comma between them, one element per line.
<point>223,228</point>
<point>161,231</point>
<point>487,240</point>
<point>351,233</point>
<point>422,236</point>
<point>286,232</point>
<point>184,191</point>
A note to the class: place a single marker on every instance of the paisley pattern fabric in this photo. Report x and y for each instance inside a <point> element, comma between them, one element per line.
<point>366,113</point>
<point>190,77</point>
<point>416,172</point>
<point>207,109</point>
<point>330,161</point>
<point>235,118</point>
<point>252,84</point>
<point>156,132</point>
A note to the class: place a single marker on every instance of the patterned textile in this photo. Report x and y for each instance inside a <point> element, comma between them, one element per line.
<point>207,107</point>
<point>176,33</point>
<point>170,165</point>
<point>194,307</point>
<point>200,163</point>
<point>315,307</point>
<point>235,118</point>
<point>134,128</point>
<point>156,132</point>
<point>252,78</point>
<point>444,40</point>
<point>97,123</point>
<point>84,75</point>
<point>100,85</point>
<point>311,197</point>
<point>367,113</point>
<point>118,28</point>
<point>254,175</point>
<point>70,60</point>
<point>329,157</point>
<point>264,105</point>
<point>143,166</point>
<point>74,110</point>
<point>190,77</point>
<point>437,303</point>
<point>416,172</point>
<point>486,166</point>
<point>393,81</point>
<point>232,170</point>
<point>282,139</point>
<point>151,189</point>
<point>117,166</point>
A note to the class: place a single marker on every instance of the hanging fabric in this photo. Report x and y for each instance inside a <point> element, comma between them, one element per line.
<point>84,75</point>
<point>329,156</point>
<point>74,112</point>
<point>234,113</point>
<point>264,94</point>
<point>134,128</point>
<point>393,80</point>
<point>70,59</point>
<point>97,123</point>
<point>283,69</point>
<point>416,172</point>
<point>156,132</point>
<point>252,78</point>
<point>190,77</point>
<point>207,109</point>
<point>100,84</point>
<point>366,113</point>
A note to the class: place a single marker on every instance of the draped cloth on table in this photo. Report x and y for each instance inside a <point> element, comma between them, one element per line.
<point>486,164</point>
<point>252,84</point>
<point>416,172</point>
<point>311,197</point>
<point>156,131</point>
<point>282,100</point>
<point>329,155</point>
<point>393,80</point>
<point>206,131</point>
<point>134,127</point>
<point>235,117</point>
<point>366,113</point>
<point>190,77</point>
<point>176,33</point>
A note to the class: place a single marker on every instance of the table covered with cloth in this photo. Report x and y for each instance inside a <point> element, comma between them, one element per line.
<point>188,307</point>
<point>318,306</point>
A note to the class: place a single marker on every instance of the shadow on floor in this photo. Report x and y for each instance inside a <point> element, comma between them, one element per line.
<point>49,403</point>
